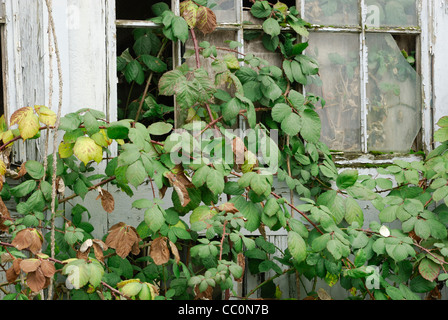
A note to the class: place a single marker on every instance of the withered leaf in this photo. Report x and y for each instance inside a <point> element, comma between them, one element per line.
<point>174,251</point>
<point>205,295</point>
<point>180,183</point>
<point>241,259</point>
<point>107,201</point>
<point>228,207</point>
<point>48,268</point>
<point>30,265</point>
<point>239,150</point>
<point>30,239</point>
<point>98,249</point>
<point>159,251</point>
<point>36,280</point>
<point>4,215</point>
<point>206,20</point>
<point>123,239</point>
<point>13,272</point>
<point>21,172</point>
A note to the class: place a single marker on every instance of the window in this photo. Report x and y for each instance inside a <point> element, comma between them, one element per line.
<point>370,56</point>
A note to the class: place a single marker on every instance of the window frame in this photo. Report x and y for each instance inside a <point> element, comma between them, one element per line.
<point>423,52</point>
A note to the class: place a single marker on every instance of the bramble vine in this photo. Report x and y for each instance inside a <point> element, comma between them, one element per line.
<point>203,237</point>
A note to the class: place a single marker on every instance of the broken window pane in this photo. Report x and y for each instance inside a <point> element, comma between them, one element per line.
<point>226,11</point>
<point>338,57</point>
<point>394,102</point>
<point>396,13</point>
<point>332,12</point>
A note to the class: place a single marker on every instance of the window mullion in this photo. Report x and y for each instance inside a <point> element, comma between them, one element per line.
<point>364,76</point>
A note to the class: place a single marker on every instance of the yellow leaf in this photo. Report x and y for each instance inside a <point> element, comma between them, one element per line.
<point>86,149</point>
<point>7,136</point>
<point>29,126</point>
<point>65,150</point>
<point>2,168</point>
<point>46,116</point>
<point>20,114</point>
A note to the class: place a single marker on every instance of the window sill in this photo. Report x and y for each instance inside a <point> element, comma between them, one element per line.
<point>369,160</point>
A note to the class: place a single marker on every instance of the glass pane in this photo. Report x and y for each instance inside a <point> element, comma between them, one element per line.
<point>393,92</point>
<point>226,11</point>
<point>332,12</point>
<point>397,13</point>
<point>338,57</point>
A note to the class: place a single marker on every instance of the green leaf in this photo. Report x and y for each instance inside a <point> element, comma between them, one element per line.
<point>311,126</point>
<point>154,218</point>
<point>136,173</point>
<point>154,63</point>
<point>296,246</point>
<point>35,169</point>
<point>422,229</point>
<point>347,179</point>
<point>438,230</point>
<point>23,189</point>
<point>200,176</point>
<point>394,293</point>
<point>320,243</point>
<point>353,212</point>
<point>291,124</point>
<point>429,269</point>
<point>280,112</point>
<point>388,214</point>
<point>261,9</point>
<point>231,109</point>
<point>160,128</point>
<point>180,28</point>
<point>215,181</point>
<point>271,27</point>
<point>334,247</point>
<point>259,184</point>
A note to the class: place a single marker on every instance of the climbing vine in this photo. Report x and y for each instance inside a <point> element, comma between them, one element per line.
<point>212,198</point>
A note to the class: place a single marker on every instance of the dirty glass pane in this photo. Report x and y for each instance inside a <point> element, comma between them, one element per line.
<point>226,11</point>
<point>332,12</point>
<point>395,13</point>
<point>338,57</point>
<point>394,109</point>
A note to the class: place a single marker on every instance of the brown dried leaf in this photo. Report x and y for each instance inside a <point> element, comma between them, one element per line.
<point>4,215</point>
<point>174,251</point>
<point>242,263</point>
<point>30,265</point>
<point>159,251</point>
<point>98,250</point>
<point>206,20</point>
<point>180,183</point>
<point>239,150</point>
<point>107,201</point>
<point>21,172</point>
<point>23,239</point>
<point>83,255</point>
<point>36,280</point>
<point>228,207</point>
<point>123,239</point>
<point>37,240</point>
<point>11,275</point>
<point>206,295</point>
<point>48,268</point>
<point>13,272</point>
